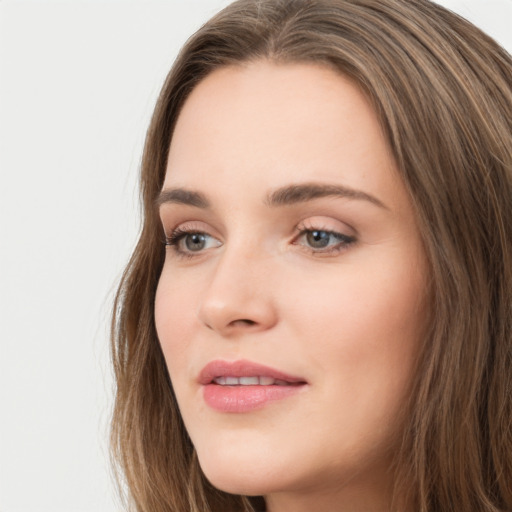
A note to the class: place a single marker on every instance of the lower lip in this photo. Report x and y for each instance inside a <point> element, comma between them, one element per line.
<point>245,398</point>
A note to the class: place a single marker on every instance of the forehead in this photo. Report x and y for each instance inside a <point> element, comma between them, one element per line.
<point>267,125</point>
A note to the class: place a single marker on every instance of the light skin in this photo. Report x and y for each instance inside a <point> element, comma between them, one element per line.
<point>297,249</point>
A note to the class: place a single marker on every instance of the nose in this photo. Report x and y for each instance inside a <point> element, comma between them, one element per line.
<point>239,297</point>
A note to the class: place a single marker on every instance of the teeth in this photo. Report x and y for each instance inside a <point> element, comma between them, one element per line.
<point>249,381</point>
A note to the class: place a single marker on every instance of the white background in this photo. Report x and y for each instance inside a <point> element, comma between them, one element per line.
<point>78,80</point>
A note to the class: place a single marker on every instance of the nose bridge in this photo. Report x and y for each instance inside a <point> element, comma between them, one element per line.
<point>239,294</point>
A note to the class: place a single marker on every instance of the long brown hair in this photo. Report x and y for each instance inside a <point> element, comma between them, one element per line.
<point>443,92</point>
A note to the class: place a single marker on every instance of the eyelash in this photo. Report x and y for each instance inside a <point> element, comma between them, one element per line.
<point>175,238</point>
<point>344,241</point>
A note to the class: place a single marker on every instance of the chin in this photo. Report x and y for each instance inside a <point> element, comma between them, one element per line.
<point>233,482</point>
<point>231,475</point>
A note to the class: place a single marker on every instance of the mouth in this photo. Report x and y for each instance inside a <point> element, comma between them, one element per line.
<point>244,386</point>
<point>260,380</point>
<point>245,373</point>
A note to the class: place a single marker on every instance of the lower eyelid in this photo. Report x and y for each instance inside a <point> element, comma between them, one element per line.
<point>325,224</point>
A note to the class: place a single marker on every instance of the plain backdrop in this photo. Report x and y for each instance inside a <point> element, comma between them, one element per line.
<point>78,81</point>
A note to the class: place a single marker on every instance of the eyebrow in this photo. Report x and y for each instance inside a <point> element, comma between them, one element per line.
<point>293,194</point>
<point>182,196</point>
<point>283,196</point>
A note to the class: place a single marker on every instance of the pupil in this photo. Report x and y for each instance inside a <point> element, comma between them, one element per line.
<point>195,241</point>
<point>318,239</point>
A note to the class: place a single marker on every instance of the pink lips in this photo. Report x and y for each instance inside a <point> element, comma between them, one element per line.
<point>222,392</point>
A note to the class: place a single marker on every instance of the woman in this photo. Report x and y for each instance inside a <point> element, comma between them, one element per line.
<point>317,314</point>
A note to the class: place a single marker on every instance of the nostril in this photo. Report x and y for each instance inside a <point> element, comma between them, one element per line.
<point>243,321</point>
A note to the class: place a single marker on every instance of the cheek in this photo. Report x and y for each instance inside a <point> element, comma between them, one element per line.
<point>175,305</point>
<point>364,329</point>
<point>371,302</point>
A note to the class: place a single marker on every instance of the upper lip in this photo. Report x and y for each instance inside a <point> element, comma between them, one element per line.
<point>242,368</point>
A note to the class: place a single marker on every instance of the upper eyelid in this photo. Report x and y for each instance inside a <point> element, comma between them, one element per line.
<point>188,225</point>
<point>325,221</point>
<point>307,224</point>
<point>321,224</point>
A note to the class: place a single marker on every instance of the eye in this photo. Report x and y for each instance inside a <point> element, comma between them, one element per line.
<point>185,242</point>
<point>323,241</point>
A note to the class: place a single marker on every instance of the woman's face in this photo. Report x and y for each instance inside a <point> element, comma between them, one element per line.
<point>290,307</point>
